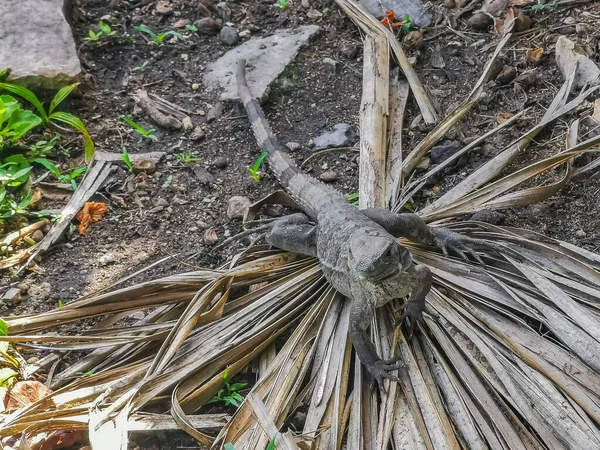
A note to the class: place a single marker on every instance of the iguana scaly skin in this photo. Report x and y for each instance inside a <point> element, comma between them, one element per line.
<point>358,249</point>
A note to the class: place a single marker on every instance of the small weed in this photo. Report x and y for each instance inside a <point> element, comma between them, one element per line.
<point>255,170</point>
<point>9,207</point>
<point>126,159</point>
<point>168,181</point>
<point>14,171</point>
<point>50,115</point>
<point>41,148</point>
<point>541,6</point>
<point>229,394</point>
<point>281,4</point>
<point>157,39</point>
<point>192,28</point>
<point>104,30</point>
<point>407,24</point>
<point>186,158</point>
<point>209,201</point>
<point>353,198</point>
<point>68,177</point>
<point>15,122</point>
<point>141,67</point>
<point>326,10</point>
<point>271,446</point>
<point>146,133</point>
<point>60,303</point>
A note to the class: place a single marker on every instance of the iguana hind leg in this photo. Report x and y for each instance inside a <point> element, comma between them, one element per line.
<point>294,233</point>
<point>361,314</point>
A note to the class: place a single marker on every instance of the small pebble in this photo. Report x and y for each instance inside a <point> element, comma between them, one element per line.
<point>37,235</point>
<point>237,206</point>
<point>24,288</point>
<point>210,237</point>
<point>161,202</point>
<point>197,134</point>
<point>220,162</point>
<point>202,224</point>
<point>245,34</point>
<point>208,25</point>
<point>329,176</point>
<point>507,75</point>
<point>567,30</point>
<point>450,4</point>
<point>570,20</point>
<point>580,233</point>
<point>480,21</point>
<point>229,35</point>
<point>293,146</point>
<point>195,86</point>
<point>414,40</point>
<point>424,164</point>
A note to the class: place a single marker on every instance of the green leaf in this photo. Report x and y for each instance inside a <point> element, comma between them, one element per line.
<point>76,123</point>
<point>48,165</point>
<point>105,28</point>
<point>237,386</point>
<point>236,396</point>
<point>6,374</point>
<point>145,29</point>
<point>3,328</point>
<point>60,96</point>
<point>271,445</point>
<point>20,122</point>
<point>226,374</point>
<point>8,105</point>
<point>229,446</point>
<point>127,159</point>
<point>27,95</point>
<point>25,202</point>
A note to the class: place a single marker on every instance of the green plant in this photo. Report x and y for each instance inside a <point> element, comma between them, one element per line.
<point>353,198</point>
<point>191,27</point>
<point>407,24</point>
<point>229,446</point>
<point>255,170</point>
<point>186,158</point>
<point>10,207</point>
<point>104,30</point>
<point>326,10</point>
<point>125,157</point>
<point>281,4</point>
<point>141,67</point>
<point>15,122</point>
<point>14,171</point>
<point>68,177</point>
<point>146,133</point>
<point>52,115</point>
<point>41,148</point>
<point>168,181</point>
<point>229,394</point>
<point>540,6</point>
<point>157,39</point>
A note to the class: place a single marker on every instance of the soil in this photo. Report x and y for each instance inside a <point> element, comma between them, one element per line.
<point>168,212</point>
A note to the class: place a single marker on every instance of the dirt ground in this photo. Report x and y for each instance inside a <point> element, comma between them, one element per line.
<point>168,213</point>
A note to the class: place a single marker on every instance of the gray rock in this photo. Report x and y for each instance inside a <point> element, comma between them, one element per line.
<point>221,162</point>
<point>443,151</point>
<point>12,296</point>
<point>215,112</point>
<point>24,288</point>
<point>329,176</point>
<point>567,55</point>
<point>161,202</point>
<point>197,134</point>
<point>106,259</point>
<point>229,36</point>
<point>237,206</point>
<point>265,59</point>
<point>203,175</point>
<point>414,8</point>
<point>342,135</point>
<point>487,216</point>
<point>36,43</point>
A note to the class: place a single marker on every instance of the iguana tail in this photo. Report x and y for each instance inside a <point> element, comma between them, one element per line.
<point>310,194</point>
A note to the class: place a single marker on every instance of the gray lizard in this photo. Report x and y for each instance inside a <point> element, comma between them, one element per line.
<point>358,248</point>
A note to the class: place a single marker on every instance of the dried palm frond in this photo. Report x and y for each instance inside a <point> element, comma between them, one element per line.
<point>506,356</point>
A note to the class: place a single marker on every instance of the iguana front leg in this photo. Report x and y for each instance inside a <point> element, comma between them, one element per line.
<point>415,229</point>
<point>361,314</point>
<point>294,233</point>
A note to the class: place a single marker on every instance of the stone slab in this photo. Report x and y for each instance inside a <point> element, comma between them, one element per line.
<point>414,8</point>
<point>265,59</point>
<point>568,55</point>
<point>37,44</point>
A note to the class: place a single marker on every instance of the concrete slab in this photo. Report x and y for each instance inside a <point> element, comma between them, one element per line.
<point>265,59</point>
<point>37,44</point>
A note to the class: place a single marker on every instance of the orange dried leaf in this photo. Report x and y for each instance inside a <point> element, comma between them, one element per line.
<point>503,117</point>
<point>534,56</point>
<point>91,212</point>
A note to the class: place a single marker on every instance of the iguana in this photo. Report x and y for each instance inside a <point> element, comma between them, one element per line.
<point>358,248</point>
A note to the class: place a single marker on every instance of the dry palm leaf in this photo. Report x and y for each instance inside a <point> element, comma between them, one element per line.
<point>506,356</point>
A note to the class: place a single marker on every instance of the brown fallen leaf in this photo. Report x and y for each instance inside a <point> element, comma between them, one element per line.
<point>24,393</point>
<point>534,56</point>
<point>91,212</point>
<point>503,117</point>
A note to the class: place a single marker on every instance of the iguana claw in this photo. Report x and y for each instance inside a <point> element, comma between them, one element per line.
<point>412,309</point>
<point>458,243</point>
<point>383,368</point>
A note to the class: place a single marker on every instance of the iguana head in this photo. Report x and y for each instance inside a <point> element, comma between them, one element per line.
<point>377,257</point>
